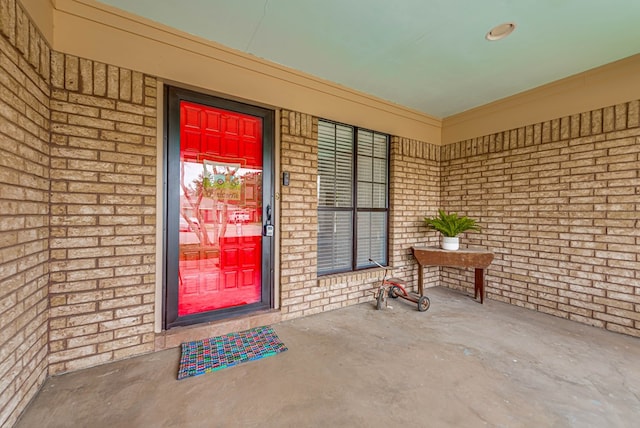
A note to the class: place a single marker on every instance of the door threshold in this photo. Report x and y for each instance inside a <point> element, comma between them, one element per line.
<point>177,335</point>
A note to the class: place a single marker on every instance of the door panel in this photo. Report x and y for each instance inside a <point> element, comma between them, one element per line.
<point>221,243</point>
<point>219,168</point>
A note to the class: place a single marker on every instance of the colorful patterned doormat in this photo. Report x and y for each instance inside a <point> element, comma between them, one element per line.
<point>208,355</point>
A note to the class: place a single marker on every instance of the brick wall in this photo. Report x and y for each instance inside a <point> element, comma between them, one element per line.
<point>559,202</point>
<point>24,210</point>
<point>414,194</point>
<point>103,207</point>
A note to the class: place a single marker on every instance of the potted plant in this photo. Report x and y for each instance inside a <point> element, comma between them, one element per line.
<point>450,226</point>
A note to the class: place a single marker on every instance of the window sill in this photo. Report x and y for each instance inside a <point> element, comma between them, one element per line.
<point>366,275</point>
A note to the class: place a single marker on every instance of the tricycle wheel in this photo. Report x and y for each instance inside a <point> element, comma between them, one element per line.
<point>393,292</point>
<point>381,298</point>
<point>423,303</point>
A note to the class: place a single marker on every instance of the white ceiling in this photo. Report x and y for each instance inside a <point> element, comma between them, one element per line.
<point>429,55</point>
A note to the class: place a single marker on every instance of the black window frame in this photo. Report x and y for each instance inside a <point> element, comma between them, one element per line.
<point>354,209</point>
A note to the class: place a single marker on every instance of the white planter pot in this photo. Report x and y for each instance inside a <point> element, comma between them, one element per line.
<point>449,243</point>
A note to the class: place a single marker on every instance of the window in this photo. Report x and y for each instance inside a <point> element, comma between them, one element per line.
<point>353,197</point>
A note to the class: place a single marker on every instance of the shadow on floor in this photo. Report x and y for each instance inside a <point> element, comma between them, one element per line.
<point>460,364</point>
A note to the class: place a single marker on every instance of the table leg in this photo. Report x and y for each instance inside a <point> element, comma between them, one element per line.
<point>479,284</point>
<point>420,280</point>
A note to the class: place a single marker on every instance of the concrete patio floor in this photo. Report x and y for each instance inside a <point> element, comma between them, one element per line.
<point>460,364</point>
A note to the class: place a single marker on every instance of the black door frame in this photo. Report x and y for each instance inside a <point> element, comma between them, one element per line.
<point>171,204</point>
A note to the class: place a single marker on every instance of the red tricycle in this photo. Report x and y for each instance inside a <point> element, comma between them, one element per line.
<point>394,288</point>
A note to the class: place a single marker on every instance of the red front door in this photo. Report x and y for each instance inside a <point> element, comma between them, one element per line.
<point>220,220</point>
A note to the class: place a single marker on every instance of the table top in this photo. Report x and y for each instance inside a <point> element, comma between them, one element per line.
<point>467,257</point>
<point>461,250</point>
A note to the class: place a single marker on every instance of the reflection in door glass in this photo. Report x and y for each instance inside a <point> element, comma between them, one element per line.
<point>220,209</point>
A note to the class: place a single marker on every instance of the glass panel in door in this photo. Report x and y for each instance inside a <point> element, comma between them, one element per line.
<point>220,238</point>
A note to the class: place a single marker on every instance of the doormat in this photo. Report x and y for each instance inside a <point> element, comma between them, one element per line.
<point>216,353</point>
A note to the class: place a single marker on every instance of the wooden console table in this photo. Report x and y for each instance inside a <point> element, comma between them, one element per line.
<point>467,258</point>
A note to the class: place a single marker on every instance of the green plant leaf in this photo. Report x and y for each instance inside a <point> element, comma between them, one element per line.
<point>451,225</point>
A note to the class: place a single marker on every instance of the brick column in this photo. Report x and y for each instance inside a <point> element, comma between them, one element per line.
<point>24,210</point>
<point>299,217</point>
<point>103,202</point>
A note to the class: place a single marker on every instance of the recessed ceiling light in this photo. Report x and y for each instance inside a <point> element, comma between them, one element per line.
<point>500,31</point>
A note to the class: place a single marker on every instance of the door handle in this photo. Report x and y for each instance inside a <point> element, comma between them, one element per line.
<point>268,227</point>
